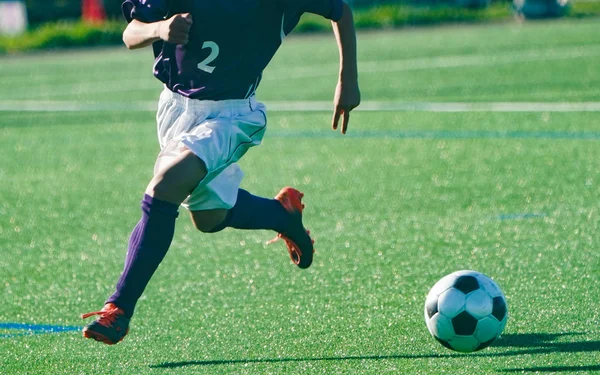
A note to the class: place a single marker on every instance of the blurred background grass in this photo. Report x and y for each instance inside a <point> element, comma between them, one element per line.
<point>404,198</point>
<point>67,24</point>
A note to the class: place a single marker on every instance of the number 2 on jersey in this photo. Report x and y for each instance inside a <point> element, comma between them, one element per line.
<point>214,52</point>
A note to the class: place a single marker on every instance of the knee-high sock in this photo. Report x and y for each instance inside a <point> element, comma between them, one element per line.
<point>252,212</point>
<point>148,245</point>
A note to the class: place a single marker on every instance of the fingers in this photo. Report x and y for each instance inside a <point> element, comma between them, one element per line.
<point>183,21</point>
<point>345,121</point>
<point>177,36</point>
<point>344,114</point>
<point>187,17</point>
<point>176,29</point>
<point>336,119</point>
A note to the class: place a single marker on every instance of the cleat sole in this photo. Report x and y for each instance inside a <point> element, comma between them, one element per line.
<point>101,338</point>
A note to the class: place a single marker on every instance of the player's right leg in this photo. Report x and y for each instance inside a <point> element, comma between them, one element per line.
<point>148,244</point>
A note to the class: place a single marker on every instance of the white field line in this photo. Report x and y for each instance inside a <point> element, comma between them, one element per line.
<point>75,106</point>
<point>325,70</point>
<point>373,106</point>
<point>311,106</point>
<point>70,89</point>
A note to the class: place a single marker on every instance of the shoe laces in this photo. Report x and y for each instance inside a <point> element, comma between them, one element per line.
<point>108,315</point>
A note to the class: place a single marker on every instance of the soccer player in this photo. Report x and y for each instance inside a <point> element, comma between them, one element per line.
<point>210,55</point>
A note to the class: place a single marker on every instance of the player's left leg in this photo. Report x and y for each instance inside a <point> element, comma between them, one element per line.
<point>282,215</point>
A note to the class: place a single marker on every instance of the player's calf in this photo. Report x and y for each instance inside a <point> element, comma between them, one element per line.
<point>207,221</point>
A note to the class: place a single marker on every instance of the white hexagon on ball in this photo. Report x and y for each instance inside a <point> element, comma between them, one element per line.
<point>451,302</point>
<point>487,329</point>
<point>440,327</point>
<point>489,286</point>
<point>441,286</point>
<point>479,304</point>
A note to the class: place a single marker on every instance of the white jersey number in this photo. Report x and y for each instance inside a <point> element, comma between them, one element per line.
<point>214,52</point>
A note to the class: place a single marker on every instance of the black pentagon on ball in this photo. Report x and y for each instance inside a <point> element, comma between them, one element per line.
<point>431,307</point>
<point>499,309</point>
<point>464,324</point>
<point>466,284</point>
<point>484,345</point>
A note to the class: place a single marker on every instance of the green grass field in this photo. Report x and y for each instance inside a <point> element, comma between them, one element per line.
<point>404,198</point>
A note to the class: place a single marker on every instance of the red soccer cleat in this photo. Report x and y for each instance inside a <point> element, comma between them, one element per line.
<point>110,328</point>
<point>296,237</point>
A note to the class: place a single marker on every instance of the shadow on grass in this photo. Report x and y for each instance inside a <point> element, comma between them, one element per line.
<point>305,359</point>
<point>554,369</point>
<point>529,343</point>
<point>544,343</point>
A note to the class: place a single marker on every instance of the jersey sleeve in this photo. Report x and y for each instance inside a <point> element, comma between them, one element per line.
<point>145,10</point>
<point>331,9</point>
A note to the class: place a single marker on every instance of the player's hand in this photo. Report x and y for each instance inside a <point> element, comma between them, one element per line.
<point>176,29</point>
<point>347,97</point>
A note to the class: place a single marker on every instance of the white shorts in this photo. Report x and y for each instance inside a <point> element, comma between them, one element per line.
<point>219,133</point>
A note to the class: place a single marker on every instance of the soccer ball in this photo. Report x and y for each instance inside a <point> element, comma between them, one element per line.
<point>465,311</point>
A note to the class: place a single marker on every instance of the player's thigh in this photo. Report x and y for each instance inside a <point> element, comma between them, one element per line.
<point>176,176</point>
<point>206,220</point>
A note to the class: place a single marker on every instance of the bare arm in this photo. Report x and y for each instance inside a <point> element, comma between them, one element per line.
<point>347,93</point>
<point>175,30</point>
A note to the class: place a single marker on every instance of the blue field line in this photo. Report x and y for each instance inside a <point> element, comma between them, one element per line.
<point>530,215</point>
<point>31,329</point>
<point>437,134</point>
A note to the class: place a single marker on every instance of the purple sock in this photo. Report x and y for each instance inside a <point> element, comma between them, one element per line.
<point>252,212</point>
<point>148,245</point>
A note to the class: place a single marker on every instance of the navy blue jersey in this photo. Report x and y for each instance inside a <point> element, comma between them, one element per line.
<point>230,44</point>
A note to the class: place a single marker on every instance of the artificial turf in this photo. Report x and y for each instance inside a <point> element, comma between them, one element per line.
<point>405,198</point>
